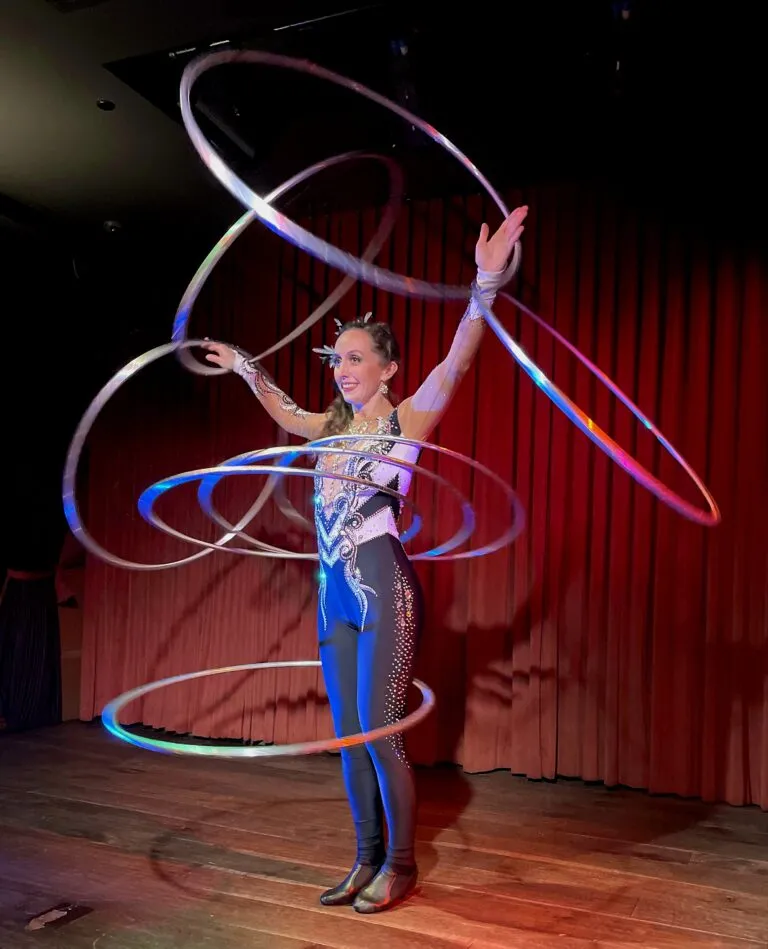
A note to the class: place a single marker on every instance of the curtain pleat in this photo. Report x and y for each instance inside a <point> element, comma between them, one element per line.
<point>615,640</point>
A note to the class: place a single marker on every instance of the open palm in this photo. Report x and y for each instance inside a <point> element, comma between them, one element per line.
<point>493,255</point>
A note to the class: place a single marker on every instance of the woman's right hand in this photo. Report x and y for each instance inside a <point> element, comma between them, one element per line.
<point>220,355</point>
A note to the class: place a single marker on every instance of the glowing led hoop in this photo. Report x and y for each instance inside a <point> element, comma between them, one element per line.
<point>112,710</point>
<point>592,430</point>
<point>441,552</point>
<point>517,525</point>
<point>395,283</point>
<point>181,346</point>
<point>387,223</point>
<point>209,482</point>
<point>150,495</point>
<point>75,521</point>
<point>69,480</point>
<point>284,226</point>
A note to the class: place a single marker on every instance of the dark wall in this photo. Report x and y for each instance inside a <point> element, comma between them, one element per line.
<point>75,307</point>
<point>35,393</point>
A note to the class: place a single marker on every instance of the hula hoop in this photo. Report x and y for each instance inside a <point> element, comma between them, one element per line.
<point>112,710</point>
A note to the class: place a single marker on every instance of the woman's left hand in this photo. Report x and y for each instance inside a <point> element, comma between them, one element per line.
<point>493,255</point>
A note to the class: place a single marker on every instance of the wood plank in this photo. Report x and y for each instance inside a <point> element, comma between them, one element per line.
<point>468,915</point>
<point>564,797</point>
<point>627,816</point>
<point>623,814</point>
<point>233,828</point>
<point>113,924</point>
<point>448,919</point>
<point>639,830</point>
<point>228,850</point>
<point>210,850</point>
<point>67,863</point>
<point>727,874</point>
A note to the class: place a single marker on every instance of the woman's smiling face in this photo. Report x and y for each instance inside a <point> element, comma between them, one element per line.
<point>357,367</point>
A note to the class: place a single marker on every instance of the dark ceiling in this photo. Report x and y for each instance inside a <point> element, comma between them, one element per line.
<point>662,95</point>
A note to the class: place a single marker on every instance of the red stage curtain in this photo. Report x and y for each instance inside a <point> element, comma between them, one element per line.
<point>614,641</point>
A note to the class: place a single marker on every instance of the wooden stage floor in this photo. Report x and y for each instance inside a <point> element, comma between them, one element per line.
<point>153,852</point>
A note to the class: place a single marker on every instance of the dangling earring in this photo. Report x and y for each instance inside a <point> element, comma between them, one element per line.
<point>383,388</point>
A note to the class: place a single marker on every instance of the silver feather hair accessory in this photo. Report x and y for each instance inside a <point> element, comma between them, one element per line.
<point>328,352</point>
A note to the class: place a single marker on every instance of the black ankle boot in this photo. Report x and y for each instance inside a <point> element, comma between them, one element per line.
<point>344,894</point>
<point>388,888</point>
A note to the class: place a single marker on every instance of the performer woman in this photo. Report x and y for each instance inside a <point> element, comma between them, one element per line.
<point>370,600</point>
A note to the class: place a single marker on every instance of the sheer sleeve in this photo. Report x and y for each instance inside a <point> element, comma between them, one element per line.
<point>421,413</point>
<point>280,406</point>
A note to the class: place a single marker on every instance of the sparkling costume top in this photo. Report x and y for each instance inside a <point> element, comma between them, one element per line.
<point>366,512</point>
<point>348,515</point>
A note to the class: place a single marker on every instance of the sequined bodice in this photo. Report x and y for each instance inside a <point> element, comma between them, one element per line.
<point>353,465</point>
<point>348,514</point>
